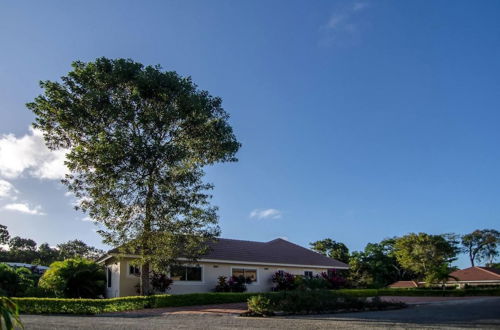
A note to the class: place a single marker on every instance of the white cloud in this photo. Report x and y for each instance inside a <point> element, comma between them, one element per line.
<point>342,26</point>
<point>7,190</point>
<point>359,6</point>
<point>266,214</point>
<point>28,154</point>
<point>24,208</point>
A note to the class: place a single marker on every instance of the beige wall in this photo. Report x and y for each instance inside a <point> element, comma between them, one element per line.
<point>126,285</point>
<point>114,290</point>
<point>211,272</point>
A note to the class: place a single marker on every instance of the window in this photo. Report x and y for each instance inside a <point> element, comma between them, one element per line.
<point>134,270</point>
<point>308,274</point>
<point>108,276</point>
<point>186,273</point>
<point>250,274</point>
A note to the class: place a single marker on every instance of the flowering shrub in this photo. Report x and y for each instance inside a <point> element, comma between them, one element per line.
<point>334,280</point>
<point>234,284</point>
<point>160,282</point>
<point>222,285</point>
<point>284,281</point>
<point>316,282</point>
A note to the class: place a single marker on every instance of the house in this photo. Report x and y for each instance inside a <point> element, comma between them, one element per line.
<point>475,276</point>
<point>34,268</point>
<point>226,257</point>
<point>404,285</point>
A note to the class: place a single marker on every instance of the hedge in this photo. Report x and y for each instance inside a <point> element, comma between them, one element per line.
<point>418,292</point>
<point>315,302</point>
<point>96,306</point>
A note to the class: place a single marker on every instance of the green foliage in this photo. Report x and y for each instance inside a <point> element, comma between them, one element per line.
<point>418,292</point>
<point>332,249</point>
<point>4,235</point>
<point>25,250</point>
<point>138,139</point>
<point>9,314</point>
<point>310,283</point>
<point>160,282</point>
<point>95,306</point>
<point>439,275</point>
<point>78,249</point>
<point>423,253</point>
<point>79,306</point>
<point>376,266</point>
<point>222,285</point>
<point>15,282</point>
<point>74,278</point>
<point>260,305</point>
<point>46,255</point>
<point>312,301</point>
<point>481,245</point>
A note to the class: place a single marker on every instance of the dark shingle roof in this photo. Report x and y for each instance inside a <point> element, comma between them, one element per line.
<point>277,251</point>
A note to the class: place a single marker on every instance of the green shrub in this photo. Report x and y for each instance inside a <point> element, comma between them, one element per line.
<point>312,301</point>
<point>14,282</point>
<point>417,292</point>
<point>74,278</point>
<point>192,299</point>
<point>95,306</point>
<point>260,305</point>
<point>9,314</point>
<point>79,306</point>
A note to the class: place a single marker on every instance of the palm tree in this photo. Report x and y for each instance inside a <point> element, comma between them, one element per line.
<point>9,314</point>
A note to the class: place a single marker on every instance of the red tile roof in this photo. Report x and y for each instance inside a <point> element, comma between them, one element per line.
<point>476,274</point>
<point>404,284</point>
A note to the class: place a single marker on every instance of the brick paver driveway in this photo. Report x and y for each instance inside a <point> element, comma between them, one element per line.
<point>480,312</point>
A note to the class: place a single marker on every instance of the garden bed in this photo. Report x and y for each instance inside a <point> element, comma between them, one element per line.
<point>314,302</point>
<point>96,306</point>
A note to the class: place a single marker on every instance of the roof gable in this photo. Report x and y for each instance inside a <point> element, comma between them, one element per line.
<point>477,274</point>
<point>277,251</point>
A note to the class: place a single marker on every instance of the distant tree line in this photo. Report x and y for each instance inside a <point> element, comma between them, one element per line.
<point>26,250</point>
<point>414,256</point>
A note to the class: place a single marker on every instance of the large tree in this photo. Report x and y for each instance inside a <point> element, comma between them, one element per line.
<point>332,249</point>
<point>4,235</point>
<point>481,245</point>
<point>137,139</point>
<point>423,253</point>
<point>22,250</point>
<point>377,265</point>
<point>78,249</point>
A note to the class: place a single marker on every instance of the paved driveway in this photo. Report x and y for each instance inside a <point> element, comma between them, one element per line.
<point>463,313</point>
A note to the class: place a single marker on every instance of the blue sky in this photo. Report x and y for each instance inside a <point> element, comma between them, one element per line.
<point>359,120</point>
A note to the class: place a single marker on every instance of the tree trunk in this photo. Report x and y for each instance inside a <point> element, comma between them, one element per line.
<point>471,257</point>
<point>144,285</point>
<point>144,288</point>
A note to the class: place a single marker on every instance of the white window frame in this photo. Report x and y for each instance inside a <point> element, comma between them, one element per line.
<point>248,268</point>
<point>129,274</point>
<point>308,270</point>
<point>178,282</point>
